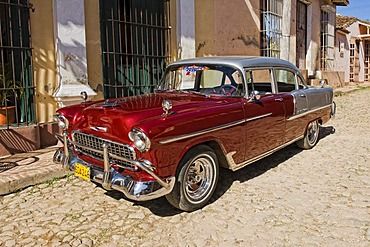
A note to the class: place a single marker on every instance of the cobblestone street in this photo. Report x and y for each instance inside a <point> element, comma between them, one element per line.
<point>319,197</point>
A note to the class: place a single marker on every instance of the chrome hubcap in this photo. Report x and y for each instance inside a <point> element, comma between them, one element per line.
<point>313,132</point>
<point>199,178</point>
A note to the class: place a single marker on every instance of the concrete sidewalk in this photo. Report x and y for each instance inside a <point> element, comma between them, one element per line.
<point>19,171</point>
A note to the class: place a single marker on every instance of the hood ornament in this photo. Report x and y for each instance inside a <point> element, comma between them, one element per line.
<point>166,106</point>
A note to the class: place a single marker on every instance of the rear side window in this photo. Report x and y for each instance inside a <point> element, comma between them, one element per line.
<point>286,80</point>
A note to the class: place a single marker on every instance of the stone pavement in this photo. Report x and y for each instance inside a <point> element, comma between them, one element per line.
<point>22,170</point>
<point>317,197</point>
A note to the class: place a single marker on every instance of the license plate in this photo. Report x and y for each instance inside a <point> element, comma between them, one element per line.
<point>82,171</point>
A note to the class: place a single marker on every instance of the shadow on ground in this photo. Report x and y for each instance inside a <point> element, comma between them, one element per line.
<point>227,177</point>
<point>21,159</point>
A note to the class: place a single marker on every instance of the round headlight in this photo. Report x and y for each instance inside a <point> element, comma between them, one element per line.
<point>62,121</point>
<point>140,140</point>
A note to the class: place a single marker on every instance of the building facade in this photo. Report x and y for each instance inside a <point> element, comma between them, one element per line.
<point>353,48</point>
<point>51,50</point>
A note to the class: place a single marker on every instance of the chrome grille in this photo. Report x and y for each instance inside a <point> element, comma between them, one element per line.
<point>85,142</point>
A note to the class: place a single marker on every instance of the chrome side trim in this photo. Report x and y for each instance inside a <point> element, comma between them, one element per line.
<point>307,112</point>
<point>224,126</point>
<point>258,117</point>
<point>201,132</point>
<point>233,166</point>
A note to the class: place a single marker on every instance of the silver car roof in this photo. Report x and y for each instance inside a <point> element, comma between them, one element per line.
<point>237,61</point>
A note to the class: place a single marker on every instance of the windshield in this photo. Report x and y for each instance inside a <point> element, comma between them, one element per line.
<point>204,79</point>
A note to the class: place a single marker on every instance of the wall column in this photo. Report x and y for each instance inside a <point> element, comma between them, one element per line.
<point>70,47</point>
<point>185,29</point>
<point>285,31</point>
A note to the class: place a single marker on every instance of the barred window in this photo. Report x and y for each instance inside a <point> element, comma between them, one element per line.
<point>327,39</point>
<point>16,86</point>
<point>271,17</point>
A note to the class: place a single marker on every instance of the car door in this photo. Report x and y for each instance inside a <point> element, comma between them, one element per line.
<point>265,117</point>
<point>291,87</point>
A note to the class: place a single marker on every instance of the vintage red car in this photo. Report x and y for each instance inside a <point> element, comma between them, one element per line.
<point>207,113</point>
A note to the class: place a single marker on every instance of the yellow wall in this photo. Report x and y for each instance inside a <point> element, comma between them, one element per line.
<point>173,36</point>
<point>220,30</point>
<point>43,53</point>
<point>204,28</point>
<point>93,47</point>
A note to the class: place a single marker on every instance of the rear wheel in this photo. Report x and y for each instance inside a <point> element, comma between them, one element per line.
<point>196,179</point>
<point>311,136</point>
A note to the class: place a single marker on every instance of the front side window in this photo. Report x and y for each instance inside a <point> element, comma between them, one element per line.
<point>271,17</point>
<point>205,79</point>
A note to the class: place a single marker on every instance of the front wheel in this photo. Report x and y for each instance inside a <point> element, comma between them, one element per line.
<point>196,179</point>
<point>311,136</point>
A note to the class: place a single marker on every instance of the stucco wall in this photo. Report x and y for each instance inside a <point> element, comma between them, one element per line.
<point>355,31</point>
<point>93,47</point>
<point>43,54</point>
<point>342,54</point>
<point>44,60</point>
<point>227,27</point>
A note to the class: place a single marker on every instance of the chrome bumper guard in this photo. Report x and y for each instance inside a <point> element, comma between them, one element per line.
<point>112,180</point>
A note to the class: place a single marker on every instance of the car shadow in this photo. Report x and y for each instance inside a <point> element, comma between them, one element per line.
<point>161,207</point>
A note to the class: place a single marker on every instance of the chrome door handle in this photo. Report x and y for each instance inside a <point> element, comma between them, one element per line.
<point>302,95</point>
<point>279,99</point>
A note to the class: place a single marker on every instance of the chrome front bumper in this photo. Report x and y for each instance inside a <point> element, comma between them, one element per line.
<point>112,180</point>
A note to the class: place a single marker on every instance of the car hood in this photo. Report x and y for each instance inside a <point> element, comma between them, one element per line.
<point>114,118</point>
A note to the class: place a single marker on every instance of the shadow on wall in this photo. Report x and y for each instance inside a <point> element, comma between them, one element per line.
<point>13,141</point>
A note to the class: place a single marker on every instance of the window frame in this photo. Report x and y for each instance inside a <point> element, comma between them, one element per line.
<point>269,9</point>
<point>272,80</point>
<point>327,39</point>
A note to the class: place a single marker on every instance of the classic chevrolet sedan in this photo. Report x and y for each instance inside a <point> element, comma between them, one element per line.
<point>207,113</point>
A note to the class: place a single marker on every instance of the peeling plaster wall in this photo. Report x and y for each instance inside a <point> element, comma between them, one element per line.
<point>221,30</point>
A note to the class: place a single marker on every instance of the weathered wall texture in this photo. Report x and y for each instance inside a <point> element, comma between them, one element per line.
<point>93,47</point>
<point>43,54</point>
<point>227,27</point>
<point>342,55</point>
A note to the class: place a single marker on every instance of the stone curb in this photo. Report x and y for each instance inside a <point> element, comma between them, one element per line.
<point>22,170</point>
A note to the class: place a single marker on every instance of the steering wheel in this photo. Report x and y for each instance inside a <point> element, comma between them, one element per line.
<point>228,90</point>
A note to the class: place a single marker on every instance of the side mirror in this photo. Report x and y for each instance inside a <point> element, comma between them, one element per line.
<point>323,82</point>
<point>254,95</point>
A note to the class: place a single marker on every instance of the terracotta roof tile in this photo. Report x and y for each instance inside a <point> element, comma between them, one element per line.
<point>342,22</point>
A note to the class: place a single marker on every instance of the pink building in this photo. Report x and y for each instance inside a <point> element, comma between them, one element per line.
<point>352,51</point>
